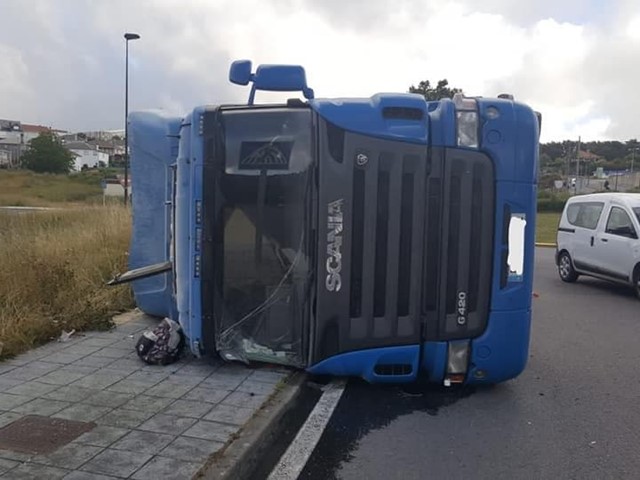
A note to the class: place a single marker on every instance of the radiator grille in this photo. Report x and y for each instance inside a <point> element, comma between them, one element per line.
<point>466,250</point>
<point>385,192</point>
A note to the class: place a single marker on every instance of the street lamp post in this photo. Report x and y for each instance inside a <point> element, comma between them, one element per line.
<point>633,157</point>
<point>127,37</point>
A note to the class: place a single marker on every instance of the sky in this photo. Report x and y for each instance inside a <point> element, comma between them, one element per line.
<point>575,61</point>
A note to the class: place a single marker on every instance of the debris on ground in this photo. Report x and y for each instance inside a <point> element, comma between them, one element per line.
<point>65,336</point>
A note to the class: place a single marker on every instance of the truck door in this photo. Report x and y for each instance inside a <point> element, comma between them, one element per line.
<point>615,244</point>
<point>584,218</point>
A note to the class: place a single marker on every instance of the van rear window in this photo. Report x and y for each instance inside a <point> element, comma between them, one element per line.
<point>636,210</point>
<point>585,214</point>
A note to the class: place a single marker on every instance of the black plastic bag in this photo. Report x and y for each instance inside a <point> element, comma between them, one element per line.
<point>161,345</point>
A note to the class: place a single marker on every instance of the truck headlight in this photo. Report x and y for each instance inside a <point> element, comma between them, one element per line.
<point>466,120</point>
<point>457,362</point>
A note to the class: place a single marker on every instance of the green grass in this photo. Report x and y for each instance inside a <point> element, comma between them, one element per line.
<point>28,189</point>
<point>546,227</point>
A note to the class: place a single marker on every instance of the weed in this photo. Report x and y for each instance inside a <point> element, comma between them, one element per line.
<point>54,268</point>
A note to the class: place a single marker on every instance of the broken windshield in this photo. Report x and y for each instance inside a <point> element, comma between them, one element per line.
<point>265,205</point>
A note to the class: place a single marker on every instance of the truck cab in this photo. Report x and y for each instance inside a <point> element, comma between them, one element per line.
<point>356,236</point>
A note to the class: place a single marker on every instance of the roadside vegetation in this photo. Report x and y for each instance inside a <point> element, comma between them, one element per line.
<point>23,188</point>
<point>54,268</point>
<point>546,225</point>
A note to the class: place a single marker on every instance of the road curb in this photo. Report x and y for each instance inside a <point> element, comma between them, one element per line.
<point>546,245</point>
<point>239,458</point>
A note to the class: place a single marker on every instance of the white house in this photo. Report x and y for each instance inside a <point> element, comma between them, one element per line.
<point>11,141</point>
<point>87,156</point>
<point>15,137</point>
<point>4,159</point>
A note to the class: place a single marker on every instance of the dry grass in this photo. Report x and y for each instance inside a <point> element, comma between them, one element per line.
<point>54,265</point>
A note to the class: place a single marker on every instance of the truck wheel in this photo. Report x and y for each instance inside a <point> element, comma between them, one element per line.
<point>565,268</point>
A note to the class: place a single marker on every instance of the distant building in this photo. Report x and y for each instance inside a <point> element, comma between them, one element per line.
<point>586,155</point>
<point>4,159</point>
<point>87,155</point>
<point>114,148</point>
<point>15,137</point>
<point>11,141</point>
<point>109,142</point>
<point>99,135</point>
<point>33,131</point>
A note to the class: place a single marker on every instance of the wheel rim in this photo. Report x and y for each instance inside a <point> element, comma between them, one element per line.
<point>565,266</point>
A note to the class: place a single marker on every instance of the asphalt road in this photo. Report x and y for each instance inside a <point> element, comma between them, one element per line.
<point>574,413</point>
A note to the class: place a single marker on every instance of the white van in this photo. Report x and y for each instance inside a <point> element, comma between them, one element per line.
<point>598,236</point>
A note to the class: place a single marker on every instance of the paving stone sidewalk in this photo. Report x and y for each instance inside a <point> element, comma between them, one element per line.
<point>150,422</point>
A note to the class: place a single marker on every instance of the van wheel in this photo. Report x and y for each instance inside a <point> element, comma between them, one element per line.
<point>636,282</point>
<point>565,268</point>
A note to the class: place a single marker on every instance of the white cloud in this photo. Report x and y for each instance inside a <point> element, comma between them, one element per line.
<point>571,122</point>
<point>573,61</point>
<point>633,28</point>
<point>15,90</point>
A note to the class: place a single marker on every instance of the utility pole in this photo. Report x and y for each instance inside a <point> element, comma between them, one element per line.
<point>633,158</point>
<point>578,165</point>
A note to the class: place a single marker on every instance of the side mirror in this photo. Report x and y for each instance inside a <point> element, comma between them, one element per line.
<point>282,78</point>
<point>274,78</point>
<point>240,72</point>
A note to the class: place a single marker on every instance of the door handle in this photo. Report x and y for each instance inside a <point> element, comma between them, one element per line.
<point>604,240</point>
<point>592,241</point>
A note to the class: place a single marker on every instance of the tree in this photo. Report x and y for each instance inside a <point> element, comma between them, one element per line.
<point>441,90</point>
<point>46,154</point>
<point>545,161</point>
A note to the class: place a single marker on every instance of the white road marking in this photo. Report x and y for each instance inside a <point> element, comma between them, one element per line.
<point>295,458</point>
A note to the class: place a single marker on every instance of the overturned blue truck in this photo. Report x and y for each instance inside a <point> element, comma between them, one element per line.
<point>389,237</point>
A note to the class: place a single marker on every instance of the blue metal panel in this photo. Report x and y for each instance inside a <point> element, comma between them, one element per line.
<point>510,136</point>
<point>434,360</point>
<point>154,145</point>
<point>362,364</point>
<point>365,116</point>
<point>527,145</point>
<point>181,230</point>
<point>194,318</point>
<point>442,115</point>
<point>188,227</point>
<point>520,198</point>
<point>501,352</point>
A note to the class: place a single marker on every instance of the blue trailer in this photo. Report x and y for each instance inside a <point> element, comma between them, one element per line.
<point>388,237</point>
